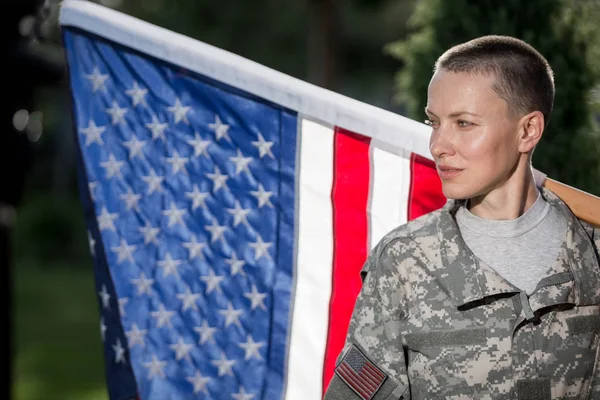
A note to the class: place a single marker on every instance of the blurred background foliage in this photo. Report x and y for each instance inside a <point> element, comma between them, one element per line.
<point>378,51</point>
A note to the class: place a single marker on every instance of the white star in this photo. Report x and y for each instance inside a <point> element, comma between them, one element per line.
<point>154,182</point>
<point>262,196</point>
<point>212,281</point>
<point>105,297</point>
<point>105,220</point>
<point>239,214</point>
<point>181,349</point>
<point>137,94</point>
<point>179,111</point>
<point>92,189</point>
<point>216,231</point>
<point>220,129</point>
<point>144,285</point>
<point>136,336</point>
<point>263,146</point>
<point>199,382</point>
<point>257,299</point>
<point>236,265</point>
<point>200,146</point>
<point>198,198</point>
<point>92,243</point>
<point>163,316</point>
<point>97,79</point>
<point>157,128</point>
<point>103,328</point>
<point>124,252</point>
<point>122,302</point>
<point>131,199</point>
<point>188,299</point>
<point>219,179</point>
<point>135,146</point>
<point>175,215</point>
<point>206,333</point>
<point>224,365</point>
<point>242,395</point>
<point>177,162</point>
<point>261,248</point>
<point>195,248</point>
<point>155,367</point>
<point>119,352</point>
<point>112,166</point>
<point>93,133</point>
<point>117,113</point>
<point>169,265</point>
<point>241,163</point>
<point>232,315</point>
<point>252,348</point>
<point>149,233</point>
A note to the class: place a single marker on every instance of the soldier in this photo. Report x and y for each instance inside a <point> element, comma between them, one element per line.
<point>497,294</point>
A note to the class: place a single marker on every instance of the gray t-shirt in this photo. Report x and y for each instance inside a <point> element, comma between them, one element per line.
<point>521,250</point>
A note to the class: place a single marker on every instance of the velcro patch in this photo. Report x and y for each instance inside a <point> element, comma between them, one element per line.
<point>360,374</point>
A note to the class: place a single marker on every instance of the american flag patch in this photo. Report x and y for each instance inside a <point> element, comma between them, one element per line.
<point>364,377</point>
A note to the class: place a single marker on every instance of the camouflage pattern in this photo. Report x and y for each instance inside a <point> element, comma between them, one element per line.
<point>444,325</point>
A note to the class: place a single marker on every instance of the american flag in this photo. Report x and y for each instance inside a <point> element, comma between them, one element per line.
<point>229,210</point>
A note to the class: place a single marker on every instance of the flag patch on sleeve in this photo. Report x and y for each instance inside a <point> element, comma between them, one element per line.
<point>361,375</point>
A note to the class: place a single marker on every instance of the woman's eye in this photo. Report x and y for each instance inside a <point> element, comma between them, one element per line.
<point>464,124</point>
<point>429,122</point>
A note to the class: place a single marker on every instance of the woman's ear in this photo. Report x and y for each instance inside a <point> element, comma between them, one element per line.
<point>530,131</point>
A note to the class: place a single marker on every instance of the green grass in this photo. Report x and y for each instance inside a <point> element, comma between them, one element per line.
<point>56,333</point>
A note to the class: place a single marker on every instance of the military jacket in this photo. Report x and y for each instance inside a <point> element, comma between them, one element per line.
<point>432,321</point>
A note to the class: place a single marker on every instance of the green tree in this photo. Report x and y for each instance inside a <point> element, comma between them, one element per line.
<point>561,30</point>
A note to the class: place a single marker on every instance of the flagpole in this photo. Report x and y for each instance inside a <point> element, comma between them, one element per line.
<point>584,205</point>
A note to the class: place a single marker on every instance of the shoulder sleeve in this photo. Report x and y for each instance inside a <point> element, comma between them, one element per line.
<point>372,363</point>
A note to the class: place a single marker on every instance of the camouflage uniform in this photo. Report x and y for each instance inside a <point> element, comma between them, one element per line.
<point>434,322</point>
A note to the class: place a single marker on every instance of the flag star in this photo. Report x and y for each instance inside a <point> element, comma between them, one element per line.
<point>136,336</point>
<point>219,179</point>
<point>154,182</point>
<point>175,215</point>
<point>220,129</point>
<point>169,265</point>
<point>103,328</point>
<point>212,281</point>
<point>241,163</point>
<point>180,111</point>
<point>112,166</point>
<point>263,197</point>
<point>157,128</point>
<point>122,302</point>
<point>92,243</point>
<point>236,265</point>
<point>117,113</point>
<point>119,352</point>
<point>216,231</point>
<point>105,297</point>
<point>256,299</point>
<point>131,199</point>
<point>188,299</point>
<point>124,252</point>
<point>92,189</point>
<point>242,395</point>
<point>263,146</point>
<point>200,146</point>
<point>195,248</point>
<point>251,348</point>
<point>149,233</point>
<point>155,367</point>
<point>177,163</point>
<point>181,349</point>
<point>206,332</point>
<point>105,220</point>
<point>137,94</point>
<point>261,248</point>
<point>98,80</point>
<point>239,214</point>
<point>163,316</point>
<point>144,285</point>
<point>232,315</point>
<point>199,382</point>
<point>224,365</point>
<point>198,198</point>
<point>135,147</point>
<point>93,133</point>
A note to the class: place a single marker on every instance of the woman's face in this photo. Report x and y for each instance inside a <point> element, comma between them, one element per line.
<point>474,141</point>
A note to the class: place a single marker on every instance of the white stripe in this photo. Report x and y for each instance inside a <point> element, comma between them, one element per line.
<point>390,187</point>
<point>308,338</point>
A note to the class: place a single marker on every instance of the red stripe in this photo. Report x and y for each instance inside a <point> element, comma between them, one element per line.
<point>354,381</point>
<point>374,370</point>
<point>372,374</point>
<point>350,193</point>
<point>425,187</point>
